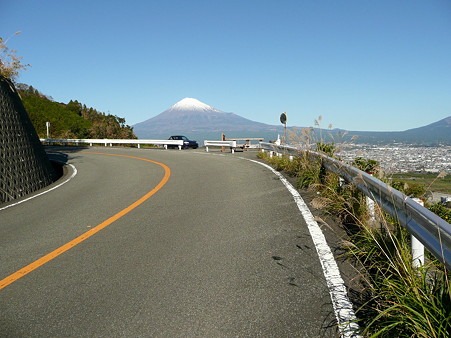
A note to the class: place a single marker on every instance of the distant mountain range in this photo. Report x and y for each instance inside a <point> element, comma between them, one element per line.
<point>435,133</point>
<point>200,121</point>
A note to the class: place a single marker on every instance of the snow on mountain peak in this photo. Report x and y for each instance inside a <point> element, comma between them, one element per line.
<point>189,103</point>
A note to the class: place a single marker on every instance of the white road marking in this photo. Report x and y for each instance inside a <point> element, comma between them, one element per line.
<point>74,172</point>
<point>344,313</point>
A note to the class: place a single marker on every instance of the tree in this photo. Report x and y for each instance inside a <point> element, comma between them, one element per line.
<point>10,63</point>
<point>75,106</point>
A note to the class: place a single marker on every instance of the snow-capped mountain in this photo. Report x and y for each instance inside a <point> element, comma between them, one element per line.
<point>192,117</point>
<point>190,104</point>
<point>200,121</point>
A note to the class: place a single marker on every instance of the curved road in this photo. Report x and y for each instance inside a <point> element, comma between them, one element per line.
<point>219,250</point>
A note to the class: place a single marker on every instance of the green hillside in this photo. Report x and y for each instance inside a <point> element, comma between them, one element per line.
<point>71,120</point>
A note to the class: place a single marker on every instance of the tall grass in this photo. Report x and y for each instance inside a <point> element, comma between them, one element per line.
<point>397,299</point>
<point>400,300</point>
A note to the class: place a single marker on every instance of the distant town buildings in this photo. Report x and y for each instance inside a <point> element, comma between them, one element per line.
<point>400,158</point>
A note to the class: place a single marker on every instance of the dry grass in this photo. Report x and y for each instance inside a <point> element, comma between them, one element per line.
<point>398,299</point>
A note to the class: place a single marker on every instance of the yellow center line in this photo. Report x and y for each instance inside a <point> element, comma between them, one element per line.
<point>55,253</point>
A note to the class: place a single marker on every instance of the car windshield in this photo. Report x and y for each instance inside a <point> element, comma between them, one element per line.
<point>184,138</point>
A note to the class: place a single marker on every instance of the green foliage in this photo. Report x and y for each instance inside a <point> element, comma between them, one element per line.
<point>326,148</point>
<point>367,165</point>
<point>308,173</point>
<point>441,211</point>
<point>411,189</point>
<point>433,182</point>
<point>277,162</point>
<point>71,120</point>
<point>340,199</point>
<point>401,301</point>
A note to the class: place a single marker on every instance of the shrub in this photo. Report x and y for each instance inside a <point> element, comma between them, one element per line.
<point>411,189</point>
<point>326,148</point>
<point>442,211</point>
<point>367,165</point>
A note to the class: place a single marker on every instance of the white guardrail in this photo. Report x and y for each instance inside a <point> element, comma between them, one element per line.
<point>231,144</point>
<point>432,231</point>
<point>110,142</point>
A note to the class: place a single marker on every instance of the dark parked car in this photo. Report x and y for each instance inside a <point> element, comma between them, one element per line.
<point>186,142</point>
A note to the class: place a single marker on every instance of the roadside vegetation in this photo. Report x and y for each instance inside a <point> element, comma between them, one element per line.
<point>71,120</point>
<point>397,299</point>
<point>430,181</point>
<point>10,63</point>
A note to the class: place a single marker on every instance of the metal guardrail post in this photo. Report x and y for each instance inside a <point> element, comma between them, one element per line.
<point>417,246</point>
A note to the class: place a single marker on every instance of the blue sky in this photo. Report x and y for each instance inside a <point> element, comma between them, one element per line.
<point>361,65</point>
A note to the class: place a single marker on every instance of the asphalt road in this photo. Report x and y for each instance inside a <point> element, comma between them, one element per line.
<point>220,250</point>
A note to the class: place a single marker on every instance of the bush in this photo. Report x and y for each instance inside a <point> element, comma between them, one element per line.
<point>326,148</point>
<point>411,189</point>
<point>367,165</point>
<point>441,211</point>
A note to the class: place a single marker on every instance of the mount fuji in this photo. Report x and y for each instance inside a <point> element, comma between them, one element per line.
<point>193,118</point>
<point>198,120</point>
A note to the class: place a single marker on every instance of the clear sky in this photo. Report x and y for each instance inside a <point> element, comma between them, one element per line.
<point>361,65</point>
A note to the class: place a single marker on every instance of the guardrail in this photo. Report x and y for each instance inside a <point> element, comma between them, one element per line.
<point>432,231</point>
<point>106,142</point>
<point>247,142</point>
<point>231,144</point>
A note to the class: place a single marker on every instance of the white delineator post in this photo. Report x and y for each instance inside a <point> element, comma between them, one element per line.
<point>47,125</point>
<point>417,246</point>
<point>370,205</point>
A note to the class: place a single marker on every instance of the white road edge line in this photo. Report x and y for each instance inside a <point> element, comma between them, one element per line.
<point>344,313</point>
<point>347,321</point>
<point>74,172</point>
